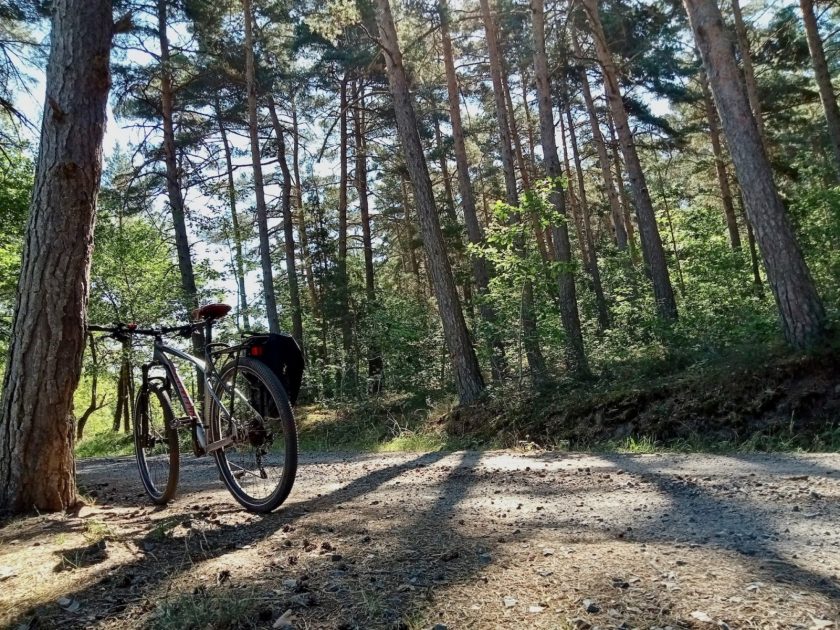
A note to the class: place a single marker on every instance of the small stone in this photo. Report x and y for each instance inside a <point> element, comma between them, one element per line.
<point>699,615</point>
<point>580,624</point>
<point>535,609</point>
<point>590,606</point>
<point>284,621</point>
<point>290,583</point>
<point>509,601</point>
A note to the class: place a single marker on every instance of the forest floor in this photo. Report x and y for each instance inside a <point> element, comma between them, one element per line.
<point>495,539</point>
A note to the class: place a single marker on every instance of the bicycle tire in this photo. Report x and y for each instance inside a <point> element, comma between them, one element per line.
<point>169,437</point>
<point>261,438</point>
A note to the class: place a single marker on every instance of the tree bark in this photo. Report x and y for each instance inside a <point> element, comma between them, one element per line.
<point>802,313</point>
<point>530,332</point>
<point>749,71</point>
<point>575,353</point>
<point>170,156</point>
<point>652,249</point>
<point>375,365</point>
<point>720,165</point>
<point>301,212</point>
<point>239,259</point>
<point>823,78</point>
<point>468,380</point>
<point>590,257</point>
<point>615,153</point>
<point>343,279</point>
<point>48,330</point>
<point>480,271</point>
<point>288,223</point>
<point>603,156</point>
<point>256,159</point>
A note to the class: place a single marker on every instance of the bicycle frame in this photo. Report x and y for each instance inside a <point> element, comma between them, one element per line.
<point>209,376</point>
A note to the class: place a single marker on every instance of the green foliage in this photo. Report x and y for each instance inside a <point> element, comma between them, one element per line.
<point>16,177</point>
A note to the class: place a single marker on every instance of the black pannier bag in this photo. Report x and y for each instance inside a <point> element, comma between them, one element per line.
<point>283,356</point>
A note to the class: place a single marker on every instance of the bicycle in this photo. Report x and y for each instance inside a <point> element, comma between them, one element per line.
<point>253,438</point>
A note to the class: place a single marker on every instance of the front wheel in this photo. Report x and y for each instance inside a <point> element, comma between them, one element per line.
<point>259,462</point>
<point>156,445</point>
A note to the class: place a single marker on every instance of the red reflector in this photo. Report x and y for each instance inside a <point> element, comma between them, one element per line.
<point>256,351</point>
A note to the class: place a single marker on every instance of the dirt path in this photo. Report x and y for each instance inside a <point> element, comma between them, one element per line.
<point>462,540</point>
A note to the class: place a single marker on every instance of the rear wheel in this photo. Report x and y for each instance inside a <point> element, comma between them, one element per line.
<point>156,445</point>
<point>259,464</point>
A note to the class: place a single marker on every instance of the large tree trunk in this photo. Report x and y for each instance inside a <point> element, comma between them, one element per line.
<point>652,248</point>
<point>720,165</point>
<point>530,332</point>
<point>288,223</point>
<point>48,331</point>
<point>829,101</point>
<point>480,271</point>
<point>256,159</point>
<point>170,156</point>
<point>749,71</point>
<point>575,353</point>
<point>603,156</point>
<point>375,364</point>
<point>802,314</point>
<point>239,259</point>
<point>468,379</point>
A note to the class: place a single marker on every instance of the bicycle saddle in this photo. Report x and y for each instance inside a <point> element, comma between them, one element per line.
<point>211,311</point>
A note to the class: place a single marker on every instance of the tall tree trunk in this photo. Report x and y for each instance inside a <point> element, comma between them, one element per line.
<point>529,123</point>
<point>465,369</point>
<point>603,156</point>
<point>239,260</point>
<point>170,156</point>
<point>591,260</point>
<point>720,165</point>
<point>301,212</point>
<point>375,365</point>
<point>530,332</point>
<point>575,353</point>
<point>749,71</point>
<point>48,329</point>
<point>288,223</point>
<point>343,278</point>
<point>829,101</point>
<point>652,248</point>
<point>480,271</point>
<point>409,230</point>
<point>122,390</point>
<point>615,153</point>
<point>802,313</point>
<point>95,404</point>
<point>256,159</point>
<point>524,175</point>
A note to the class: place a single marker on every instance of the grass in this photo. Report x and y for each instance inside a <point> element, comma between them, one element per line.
<point>105,443</point>
<point>218,608</point>
<point>394,424</point>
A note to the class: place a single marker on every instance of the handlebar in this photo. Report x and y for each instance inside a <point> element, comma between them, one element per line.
<point>127,330</point>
